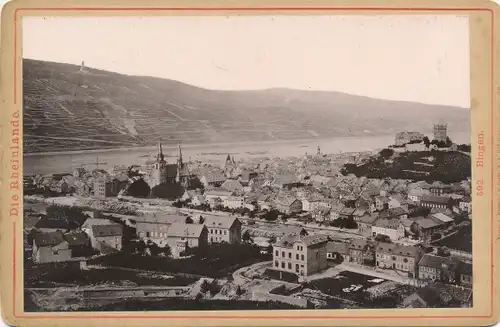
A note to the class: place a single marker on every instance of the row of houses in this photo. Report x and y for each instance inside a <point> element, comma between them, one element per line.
<point>305,255</point>
<point>182,232</point>
<point>56,240</point>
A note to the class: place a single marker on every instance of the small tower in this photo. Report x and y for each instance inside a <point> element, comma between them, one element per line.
<point>82,67</point>
<point>319,151</point>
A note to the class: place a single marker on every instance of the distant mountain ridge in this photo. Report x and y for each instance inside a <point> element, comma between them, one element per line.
<point>66,109</point>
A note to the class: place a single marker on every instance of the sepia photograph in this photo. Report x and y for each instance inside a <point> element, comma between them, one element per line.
<point>246,162</point>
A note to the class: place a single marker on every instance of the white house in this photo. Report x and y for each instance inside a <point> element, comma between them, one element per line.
<point>465,204</point>
<point>234,202</point>
<point>390,227</point>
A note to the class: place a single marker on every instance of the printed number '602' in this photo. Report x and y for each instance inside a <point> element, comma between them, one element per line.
<point>479,187</point>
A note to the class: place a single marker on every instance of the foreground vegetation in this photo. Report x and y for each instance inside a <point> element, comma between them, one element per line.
<point>447,167</point>
<point>216,260</point>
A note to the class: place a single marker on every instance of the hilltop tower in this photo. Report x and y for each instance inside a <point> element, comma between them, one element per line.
<point>82,67</point>
<point>440,132</point>
<point>319,151</point>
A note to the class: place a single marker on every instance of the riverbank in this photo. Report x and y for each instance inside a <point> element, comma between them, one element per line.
<point>167,146</point>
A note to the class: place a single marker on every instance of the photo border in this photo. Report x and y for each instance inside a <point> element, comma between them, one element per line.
<point>19,12</point>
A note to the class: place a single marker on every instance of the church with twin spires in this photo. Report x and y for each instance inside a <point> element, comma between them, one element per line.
<point>159,171</point>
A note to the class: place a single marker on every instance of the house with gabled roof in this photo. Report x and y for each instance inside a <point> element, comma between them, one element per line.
<point>396,213</point>
<point>434,201</point>
<point>223,229</point>
<point>212,178</point>
<point>216,197</point>
<point>78,242</point>
<point>436,268</point>
<point>398,257</point>
<point>300,255</point>
<point>105,238</point>
<point>362,252</point>
<point>390,227</point>
<point>425,227</point>
<point>50,247</point>
<point>288,204</point>
<point>232,185</point>
<point>381,202</point>
<point>337,252</point>
<point>181,236</point>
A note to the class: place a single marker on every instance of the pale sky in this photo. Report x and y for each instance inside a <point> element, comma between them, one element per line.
<point>419,58</point>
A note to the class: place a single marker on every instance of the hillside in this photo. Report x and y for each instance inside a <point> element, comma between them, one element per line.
<point>65,109</point>
<point>430,166</point>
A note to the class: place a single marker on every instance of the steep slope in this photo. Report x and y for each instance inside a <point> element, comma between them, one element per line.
<point>65,109</point>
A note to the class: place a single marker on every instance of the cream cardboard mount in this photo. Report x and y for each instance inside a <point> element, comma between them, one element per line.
<point>241,164</point>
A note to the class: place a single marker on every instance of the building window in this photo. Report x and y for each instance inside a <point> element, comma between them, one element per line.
<point>276,264</point>
<point>225,232</point>
<point>289,255</point>
<point>297,268</point>
<point>302,257</point>
<point>289,266</point>
<point>297,256</point>
<point>283,264</point>
<point>277,253</point>
<point>283,254</point>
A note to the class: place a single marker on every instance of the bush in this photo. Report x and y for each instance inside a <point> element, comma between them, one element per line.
<point>383,238</point>
<point>167,191</point>
<point>139,189</point>
<point>271,215</point>
<point>386,153</point>
<point>348,223</point>
<point>216,260</point>
<point>73,215</point>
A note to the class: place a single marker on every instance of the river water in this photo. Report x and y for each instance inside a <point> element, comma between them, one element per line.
<point>67,162</point>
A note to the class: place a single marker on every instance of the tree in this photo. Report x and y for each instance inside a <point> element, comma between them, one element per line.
<point>427,142</point>
<point>420,212</point>
<point>202,220</point>
<point>166,251</point>
<point>74,216</point>
<point>383,238</point>
<point>177,204</point>
<point>251,214</point>
<point>246,236</point>
<point>167,191</point>
<point>271,215</point>
<point>204,287</point>
<point>129,247</point>
<point>269,249</point>
<point>154,249</point>
<point>141,247</point>
<point>386,153</point>
<point>139,189</point>
<point>448,142</point>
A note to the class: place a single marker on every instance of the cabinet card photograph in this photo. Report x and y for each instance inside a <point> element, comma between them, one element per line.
<point>249,165</point>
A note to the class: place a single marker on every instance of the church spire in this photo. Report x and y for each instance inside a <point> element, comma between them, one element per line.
<point>180,163</point>
<point>160,156</point>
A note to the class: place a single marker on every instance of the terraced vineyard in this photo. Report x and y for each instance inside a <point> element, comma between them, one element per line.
<point>66,109</point>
